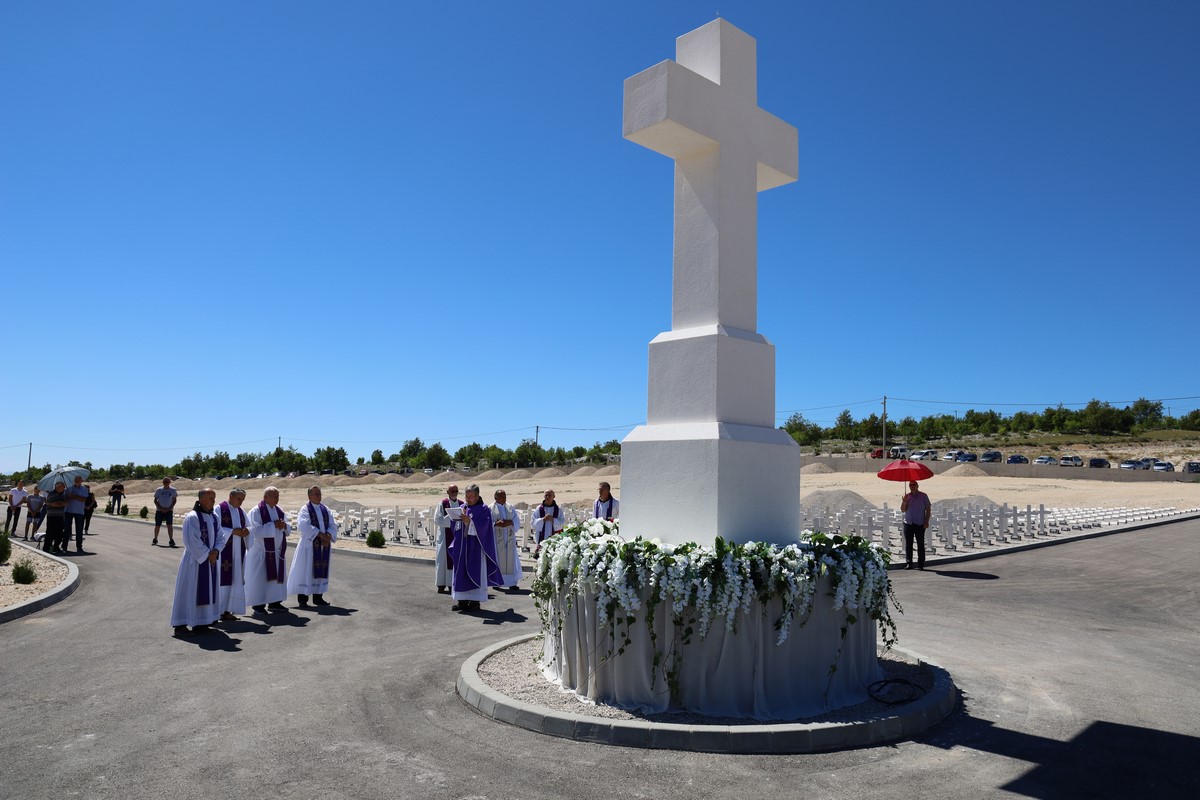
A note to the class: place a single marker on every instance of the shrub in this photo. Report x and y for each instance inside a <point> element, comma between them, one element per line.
<point>108,509</point>
<point>23,571</point>
<point>144,513</point>
<point>125,511</point>
<point>5,548</point>
<point>375,539</point>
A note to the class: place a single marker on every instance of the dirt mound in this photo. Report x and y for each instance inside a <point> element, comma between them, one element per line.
<point>391,477</point>
<point>519,475</point>
<point>342,480</point>
<point>490,475</point>
<point>836,499</point>
<point>965,471</point>
<point>583,472</point>
<point>963,503</point>
<point>551,472</point>
<point>817,469</point>
<point>612,469</point>
<point>418,477</point>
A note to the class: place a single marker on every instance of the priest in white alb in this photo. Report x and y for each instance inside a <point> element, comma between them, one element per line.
<point>310,566</point>
<point>547,518</point>
<point>506,521</point>
<point>196,599</point>
<point>235,541</point>
<point>266,576</point>
<point>448,519</point>
<point>473,552</point>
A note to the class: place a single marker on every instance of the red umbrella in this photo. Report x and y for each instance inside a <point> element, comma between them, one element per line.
<point>905,470</point>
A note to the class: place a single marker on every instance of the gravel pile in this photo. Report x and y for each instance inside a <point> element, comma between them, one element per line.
<point>964,471</point>
<point>817,469</point>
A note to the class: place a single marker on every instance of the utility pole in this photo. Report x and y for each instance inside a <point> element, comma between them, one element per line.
<point>29,462</point>
<point>885,426</point>
<point>537,429</point>
<point>279,443</point>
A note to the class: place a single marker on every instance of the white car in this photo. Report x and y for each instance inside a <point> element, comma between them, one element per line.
<point>1071,461</point>
<point>1046,461</point>
<point>924,455</point>
<point>950,455</point>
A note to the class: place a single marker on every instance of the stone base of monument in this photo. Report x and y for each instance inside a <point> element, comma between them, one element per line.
<point>514,691</point>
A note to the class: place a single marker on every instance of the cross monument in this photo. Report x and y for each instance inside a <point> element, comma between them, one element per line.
<point>709,461</point>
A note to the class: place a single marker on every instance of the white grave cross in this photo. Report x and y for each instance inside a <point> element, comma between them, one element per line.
<point>702,111</point>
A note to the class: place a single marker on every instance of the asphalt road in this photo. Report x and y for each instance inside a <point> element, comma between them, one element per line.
<point>1079,664</point>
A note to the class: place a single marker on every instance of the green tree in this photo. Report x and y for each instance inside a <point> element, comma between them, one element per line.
<point>411,449</point>
<point>470,454</point>
<point>803,431</point>
<point>1147,414</point>
<point>437,456</point>
<point>844,427</point>
<point>333,458</point>
<point>377,457</point>
<point>529,453</point>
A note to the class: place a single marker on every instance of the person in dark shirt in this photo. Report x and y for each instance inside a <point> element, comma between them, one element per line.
<point>115,495</point>
<point>56,515</point>
<point>89,506</point>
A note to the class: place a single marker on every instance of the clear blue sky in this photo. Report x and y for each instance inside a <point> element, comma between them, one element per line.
<point>355,223</point>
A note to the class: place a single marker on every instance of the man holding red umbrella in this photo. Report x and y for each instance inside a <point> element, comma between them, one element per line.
<point>916,508</point>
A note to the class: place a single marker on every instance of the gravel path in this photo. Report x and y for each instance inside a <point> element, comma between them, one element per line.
<point>50,573</point>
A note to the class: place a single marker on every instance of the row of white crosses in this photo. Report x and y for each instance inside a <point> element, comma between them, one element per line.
<point>958,529</point>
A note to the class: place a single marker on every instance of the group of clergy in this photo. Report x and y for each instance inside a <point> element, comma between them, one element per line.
<point>477,545</point>
<point>233,559</point>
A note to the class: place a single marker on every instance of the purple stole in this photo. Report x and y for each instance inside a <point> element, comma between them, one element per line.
<point>600,504</point>
<point>541,515</point>
<point>450,532</point>
<point>275,563</point>
<point>207,572</point>
<point>227,552</point>
<point>320,565</point>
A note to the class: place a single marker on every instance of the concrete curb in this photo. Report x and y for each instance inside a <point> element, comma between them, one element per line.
<point>958,558</point>
<point>785,738</point>
<point>60,592</point>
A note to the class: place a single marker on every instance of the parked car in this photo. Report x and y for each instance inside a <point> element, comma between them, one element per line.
<point>966,455</point>
<point>1046,461</point>
<point>951,455</point>
<point>991,457</point>
<point>1098,463</point>
<point>1192,466</point>
<point>1164,466</point>
<point>1071,461</point>
<point>428,470</point>
<point>924,455</point>
<point>1130,463</point>
<point>899,451</point>
<point>876,453</point>
<point>1017,458</point>
<point>1148,463</point>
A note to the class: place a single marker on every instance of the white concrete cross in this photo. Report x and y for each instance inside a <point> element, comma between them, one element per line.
<point>702,111</point>
<point>710,444</point>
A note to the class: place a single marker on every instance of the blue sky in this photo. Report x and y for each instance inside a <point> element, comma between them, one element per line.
<point>355,223</point>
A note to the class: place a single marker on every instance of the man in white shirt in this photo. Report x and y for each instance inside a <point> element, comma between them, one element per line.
<point>16,497</point>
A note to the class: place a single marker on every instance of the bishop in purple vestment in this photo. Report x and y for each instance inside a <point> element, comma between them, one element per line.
<point>474,555</point>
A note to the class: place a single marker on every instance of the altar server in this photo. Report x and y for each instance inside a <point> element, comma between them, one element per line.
<point>548,519</point>
<point>473,553</point>
<point>606,506</point>
<point>266,577</point>
<point>448,526</point>
<point>196,598</point>
<point>505,523</point>
<point>235,536</point>
<point>310,566</point>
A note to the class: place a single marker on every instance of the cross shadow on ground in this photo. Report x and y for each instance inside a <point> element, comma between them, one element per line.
<point>1105,759</point>
<point>978,576</point>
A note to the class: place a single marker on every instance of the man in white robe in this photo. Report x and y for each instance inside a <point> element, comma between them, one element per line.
<point>449,524</point>
<point>196,597</point>
<point>606,506</point>
<point>547,519</point>
<point>235,542</point>
<point>505,524</point>
<point>266,577</point>
<point>310,566</point>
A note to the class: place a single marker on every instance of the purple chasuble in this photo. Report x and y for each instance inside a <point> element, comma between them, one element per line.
<point>275,561</point>
<point>320,564</point>
<point>207,572</point>
<point>227,552</point>
<point>467,551</point>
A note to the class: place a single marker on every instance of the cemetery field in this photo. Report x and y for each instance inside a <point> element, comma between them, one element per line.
<point>579,488</point>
